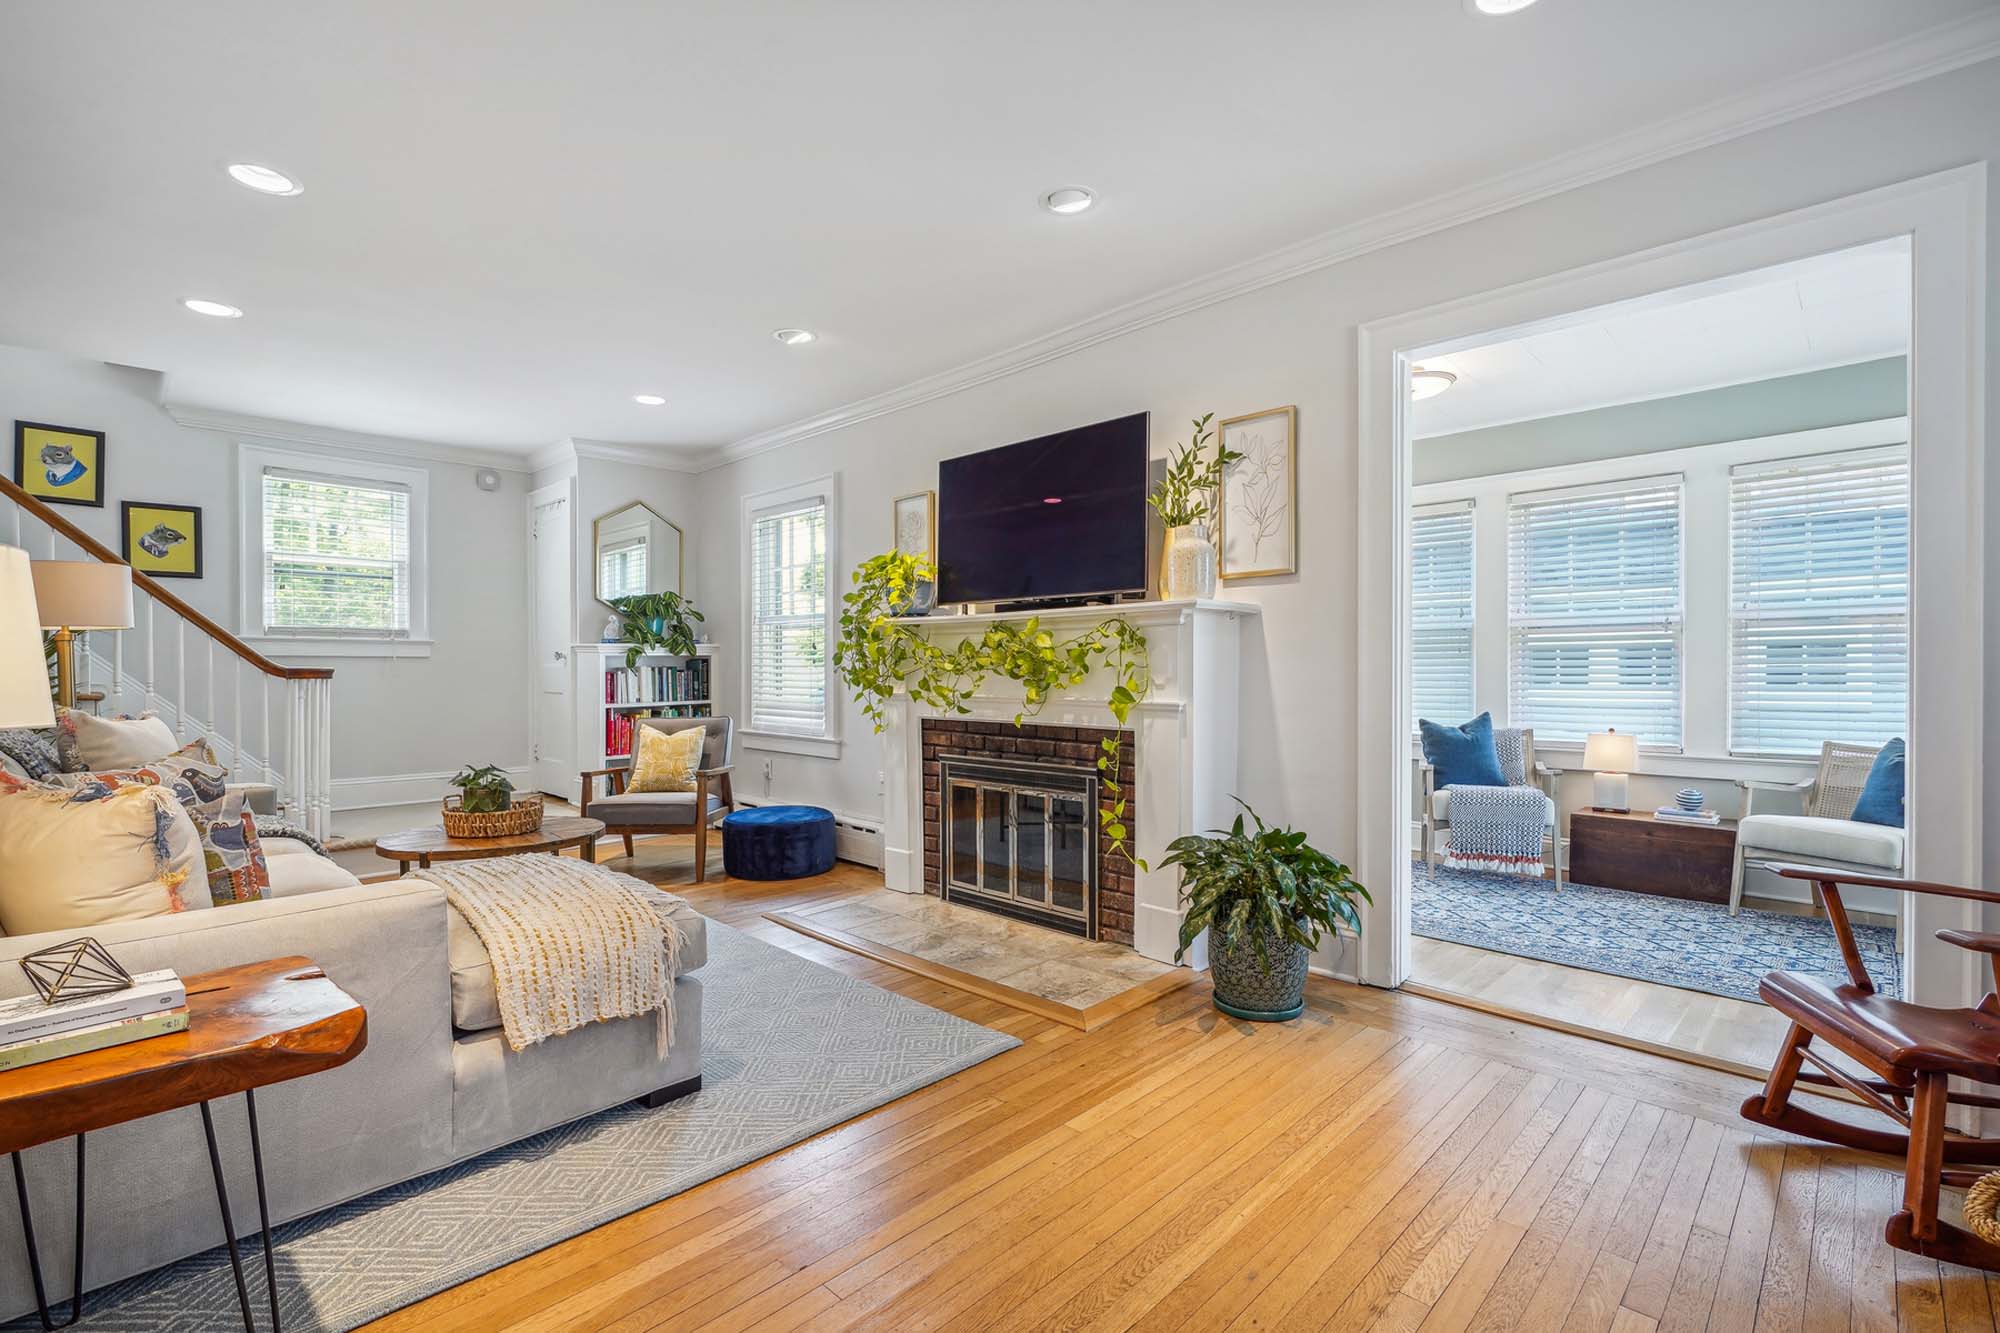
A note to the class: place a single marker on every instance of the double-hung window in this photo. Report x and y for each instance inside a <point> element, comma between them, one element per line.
<point>789,561</point>
<point>1441,617</point>
<point>1594,611</point>
<point>1819,609</point>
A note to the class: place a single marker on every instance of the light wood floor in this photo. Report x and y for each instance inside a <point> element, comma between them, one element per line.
<point>1385,1162</point>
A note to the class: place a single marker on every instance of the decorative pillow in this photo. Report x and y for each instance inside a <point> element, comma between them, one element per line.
<point>93,744</point>
<point>233,858</point>
<point>1463,755</point>
<point>1882,794</point>
<point>75,859</point>
<point>666,760</point>
<point>34,749</point>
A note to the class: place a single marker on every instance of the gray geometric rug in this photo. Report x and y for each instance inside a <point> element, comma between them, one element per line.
<point>789,1048</point>
<point>1696,946</point>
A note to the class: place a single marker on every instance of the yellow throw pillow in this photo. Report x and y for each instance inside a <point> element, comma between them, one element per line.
<point>70,860</point>
<point>666,761</point>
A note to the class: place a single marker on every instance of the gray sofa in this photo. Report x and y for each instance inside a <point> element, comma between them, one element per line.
<point>436,1084</point>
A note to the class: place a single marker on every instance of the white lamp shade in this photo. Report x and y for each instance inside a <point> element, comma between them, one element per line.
<point>24,670</point>
<point>1611,752</point>
<point>83,594</point>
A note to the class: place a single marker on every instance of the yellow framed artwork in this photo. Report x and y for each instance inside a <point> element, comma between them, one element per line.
<point>161,540</point>
<point>59,464</point>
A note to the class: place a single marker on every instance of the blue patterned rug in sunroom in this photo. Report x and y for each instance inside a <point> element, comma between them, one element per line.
<point>1696,946</point>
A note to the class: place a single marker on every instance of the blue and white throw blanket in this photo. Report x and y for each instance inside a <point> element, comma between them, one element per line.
<point>1499,829</point>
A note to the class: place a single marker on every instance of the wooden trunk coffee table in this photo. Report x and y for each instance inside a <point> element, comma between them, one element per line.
<point>1632,850</point>
<point>425,845</point>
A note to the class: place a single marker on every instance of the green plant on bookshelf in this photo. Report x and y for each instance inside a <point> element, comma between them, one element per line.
<point>656,621</point>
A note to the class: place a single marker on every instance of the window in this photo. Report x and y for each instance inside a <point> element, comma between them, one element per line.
<point>621,568</point>
<point>1594,611</point>
<point>788,662</point>
<point>1819,576</point>
<point>1441,612</point>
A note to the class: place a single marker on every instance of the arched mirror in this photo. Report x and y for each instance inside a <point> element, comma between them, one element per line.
<point>635,551</point>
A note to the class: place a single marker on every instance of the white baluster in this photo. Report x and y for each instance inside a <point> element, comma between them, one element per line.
<point>264,726</point>
<point>180,677</point>
<point>236,724</point>
<point>210,723</point>
<point>118,665</point>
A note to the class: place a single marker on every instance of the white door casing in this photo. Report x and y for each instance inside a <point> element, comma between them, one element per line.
<point>550,554</point>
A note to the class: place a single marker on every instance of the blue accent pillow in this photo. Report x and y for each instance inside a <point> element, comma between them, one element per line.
<point>1464,755</point>
<point>1882,794</point>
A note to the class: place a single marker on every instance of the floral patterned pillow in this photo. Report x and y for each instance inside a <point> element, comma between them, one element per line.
<point>234,858</point>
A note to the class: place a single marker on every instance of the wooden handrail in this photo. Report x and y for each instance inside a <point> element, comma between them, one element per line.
<point>99,551</point>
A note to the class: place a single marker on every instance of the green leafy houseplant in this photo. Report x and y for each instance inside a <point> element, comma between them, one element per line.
<point>1189,491</point>
<point>484,789</point>
<point>877,653</point>
<point>656,620</point>
<point>1265,897</point>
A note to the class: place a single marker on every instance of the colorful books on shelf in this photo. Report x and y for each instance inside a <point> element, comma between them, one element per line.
<point>657,684</point>
<point>31,1031</point>
<point>1673,814</point>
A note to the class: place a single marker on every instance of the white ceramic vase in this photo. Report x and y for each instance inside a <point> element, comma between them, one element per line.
<point>1190,563</point>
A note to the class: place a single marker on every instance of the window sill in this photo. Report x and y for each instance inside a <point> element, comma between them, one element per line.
<point>820,747</point>
<point>338,646</point>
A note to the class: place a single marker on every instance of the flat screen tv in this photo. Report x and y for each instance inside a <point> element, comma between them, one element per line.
<point>1063,516</point>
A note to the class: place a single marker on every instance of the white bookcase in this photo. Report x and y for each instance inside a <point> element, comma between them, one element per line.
<point>660,685</point>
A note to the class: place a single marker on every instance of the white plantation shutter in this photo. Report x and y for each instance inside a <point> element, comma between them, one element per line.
<point>336,555</point>
<point>1819,577</point>
<point>1594,611</point>
<point>1441,613</point>
<point>788,604</point>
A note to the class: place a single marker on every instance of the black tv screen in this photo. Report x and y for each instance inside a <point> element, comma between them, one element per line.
<point>1059,516</point>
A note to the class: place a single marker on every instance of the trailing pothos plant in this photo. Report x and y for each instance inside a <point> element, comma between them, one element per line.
<point>1270,882</point>
<point>878,653</point>
<point>662,620</point>
<point>1188,492</point>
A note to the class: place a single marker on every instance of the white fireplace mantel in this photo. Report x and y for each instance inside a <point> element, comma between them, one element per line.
<point>1184,734</point>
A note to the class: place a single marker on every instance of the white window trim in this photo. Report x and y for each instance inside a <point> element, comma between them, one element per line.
<point>828,744</point>
<point>251,461</point>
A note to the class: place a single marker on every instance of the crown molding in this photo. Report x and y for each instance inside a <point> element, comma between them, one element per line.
<point>1921,56</point>
<point>565,453</point>
<point>341,441</point>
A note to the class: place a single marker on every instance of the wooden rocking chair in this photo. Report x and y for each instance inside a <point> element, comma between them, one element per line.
<point>1912,1050</point>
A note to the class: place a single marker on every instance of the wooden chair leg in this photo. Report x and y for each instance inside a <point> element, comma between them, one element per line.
<point>1926,1160</point>
<point>1785,1073</point>
<point>628,844</point>
<point>700,849</point>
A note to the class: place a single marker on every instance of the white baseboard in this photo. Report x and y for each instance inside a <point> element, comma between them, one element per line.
<point>856,838</point>
<point>410,788</point>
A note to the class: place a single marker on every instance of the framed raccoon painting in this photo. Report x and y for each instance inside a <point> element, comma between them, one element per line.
<point>162,541</point>
<point>59,464</point>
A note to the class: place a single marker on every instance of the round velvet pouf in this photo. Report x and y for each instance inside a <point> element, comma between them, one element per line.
<point>778,842</point>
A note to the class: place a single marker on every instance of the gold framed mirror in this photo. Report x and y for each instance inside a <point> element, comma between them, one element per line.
<point>635,549</point>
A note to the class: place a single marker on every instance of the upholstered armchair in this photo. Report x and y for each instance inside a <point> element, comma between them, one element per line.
<point>1822,834</point>
<point>1437,803</point>
<point>627,813</point>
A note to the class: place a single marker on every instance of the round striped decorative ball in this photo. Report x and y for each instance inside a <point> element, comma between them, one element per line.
<point>1689,799</point>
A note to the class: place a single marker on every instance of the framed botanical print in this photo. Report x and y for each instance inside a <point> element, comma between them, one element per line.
<point>1260,523</point>
<point>59,464</point>
<point>916,524</point>
<point>161,540</point>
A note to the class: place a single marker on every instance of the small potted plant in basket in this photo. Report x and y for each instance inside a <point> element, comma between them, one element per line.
<point>1265,898</point>
<point>486,806</point>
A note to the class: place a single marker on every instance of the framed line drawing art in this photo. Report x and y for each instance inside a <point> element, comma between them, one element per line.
<point>59,464</point>
<point>162,541</point>
<point>1259,534</point>
<point>916,524</point>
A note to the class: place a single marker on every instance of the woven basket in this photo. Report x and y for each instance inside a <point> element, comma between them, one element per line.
<point>525,816</point>
<point>1980,1200</point>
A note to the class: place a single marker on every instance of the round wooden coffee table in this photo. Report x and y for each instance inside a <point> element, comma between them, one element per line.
<point>425,845</point>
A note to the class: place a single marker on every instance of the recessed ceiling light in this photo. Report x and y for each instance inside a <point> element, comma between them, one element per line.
<point>215,308</point>
<point>1496,6</point>
<point>1429,383</point>
<point>649,399</point>
<point>794,337</point>
<point>264,180</point>
<point>1051,499</point>
<point>1068,199</point>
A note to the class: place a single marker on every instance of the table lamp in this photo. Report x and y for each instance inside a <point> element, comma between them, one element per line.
<point>1610,755</point>
<point>24,669</point>
<point>80,595</point>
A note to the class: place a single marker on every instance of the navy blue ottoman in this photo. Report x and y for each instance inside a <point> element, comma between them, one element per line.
<point>777,842</point>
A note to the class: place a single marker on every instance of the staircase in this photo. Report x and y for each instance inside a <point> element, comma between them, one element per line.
<point>268,723</point>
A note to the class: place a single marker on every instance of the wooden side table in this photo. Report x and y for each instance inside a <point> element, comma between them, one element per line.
<point>1636,852</point>
<point>248,1027</point>
<point>425,845</point>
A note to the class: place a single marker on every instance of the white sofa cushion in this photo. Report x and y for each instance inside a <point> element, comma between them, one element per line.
<point>99,744</point>
<point>1824,839</point>
<point>1441,808</point>
<point>295,869</point>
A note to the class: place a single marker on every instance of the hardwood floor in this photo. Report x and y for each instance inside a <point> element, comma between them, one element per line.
<point>1385,1162</point>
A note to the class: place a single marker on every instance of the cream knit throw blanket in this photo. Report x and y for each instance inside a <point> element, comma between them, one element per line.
<point>571,943</point>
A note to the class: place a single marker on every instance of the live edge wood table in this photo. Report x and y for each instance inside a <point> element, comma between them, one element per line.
<point>1634,851</point>
<point>248,1027</point>
<point>425,845</point>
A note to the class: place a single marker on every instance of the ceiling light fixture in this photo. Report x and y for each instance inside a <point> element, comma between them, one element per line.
<point>264,180</point>
<point>649,400</point>
<point>1068,199</point>
<point>1496,6</point>
<point>212,308</point>
<point>794,337</point>
<point>1429,383</point>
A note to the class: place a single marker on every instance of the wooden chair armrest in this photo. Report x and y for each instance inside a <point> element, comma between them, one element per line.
<point>1823,876</point>
<point>1978,941</point>
<point>589,776</point>
<point>718,770</point>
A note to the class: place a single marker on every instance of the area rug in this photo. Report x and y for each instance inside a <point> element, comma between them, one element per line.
<point>789,1048</point>
<point>1696,946</point>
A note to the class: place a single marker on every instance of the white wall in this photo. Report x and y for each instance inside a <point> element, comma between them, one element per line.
<point>1296,343</point>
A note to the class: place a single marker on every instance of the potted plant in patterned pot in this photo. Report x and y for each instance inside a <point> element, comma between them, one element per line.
<point>1265,896</point>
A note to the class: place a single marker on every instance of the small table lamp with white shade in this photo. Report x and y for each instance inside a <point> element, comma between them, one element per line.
<point>24,669</point>
<point>1610,755</point>
<point>80,595</point>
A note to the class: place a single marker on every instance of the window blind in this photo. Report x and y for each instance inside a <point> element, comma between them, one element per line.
<point>336,555</point>
<point>1819,573</point>
<point>1594,611</point>
<point>1441,613</point>
<point>788,603</point>
<point>621,568</point>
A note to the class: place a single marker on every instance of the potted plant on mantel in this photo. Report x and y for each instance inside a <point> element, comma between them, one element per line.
<point>1265,898</point>
<point>1185,500</point>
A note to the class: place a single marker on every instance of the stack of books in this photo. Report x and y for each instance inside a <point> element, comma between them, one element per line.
<point>1673,814</point>
<point>32,1031</point>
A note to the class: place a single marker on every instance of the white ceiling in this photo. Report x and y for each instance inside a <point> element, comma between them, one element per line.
<point>519,214</point>
<point>1833,310</point>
